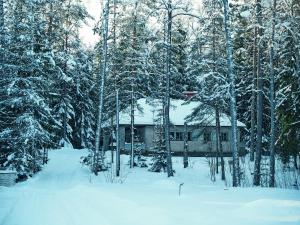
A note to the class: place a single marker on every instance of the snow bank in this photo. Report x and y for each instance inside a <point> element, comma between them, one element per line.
<point>65,193</point>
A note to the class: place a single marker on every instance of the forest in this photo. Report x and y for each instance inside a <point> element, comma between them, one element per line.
<point>240,57</point>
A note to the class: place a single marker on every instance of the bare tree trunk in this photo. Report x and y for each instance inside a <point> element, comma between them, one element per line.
<point>132,130</point>
<point>133,80</point>
<point>253,97</point>
<point>1,24</point>
<point>66,50</point>
<point>233,142</point>
<point>256,180</point>
<point>296,13</point>
<point>216,105</point>
<point>167,94</point>
<point>82,136</point>
<point>2,38</point>
<point>117,136</point>
<point>102,85</point>
<point>219,142</point>
<point>114,73</point>
<point>272,101</point>
<point>65,112</point>
<point>112,140</point>
<point>185,155</point>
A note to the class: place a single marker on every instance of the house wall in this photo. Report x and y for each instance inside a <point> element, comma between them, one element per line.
<point>122,137</point>
<point>196,145</point>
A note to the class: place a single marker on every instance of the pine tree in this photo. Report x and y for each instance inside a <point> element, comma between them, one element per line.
<point>24,104</point>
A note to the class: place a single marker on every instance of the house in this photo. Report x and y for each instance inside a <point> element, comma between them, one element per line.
<point>201,134</point>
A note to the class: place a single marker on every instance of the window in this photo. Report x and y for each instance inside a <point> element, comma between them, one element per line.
<point>176,136</point>
<point>127,135</point>
<point>224,137</point>
<point>207,137</point>
<point>172,136</point>
<point>179,136</point>
<point>189,136</point>
<point>139,133</point>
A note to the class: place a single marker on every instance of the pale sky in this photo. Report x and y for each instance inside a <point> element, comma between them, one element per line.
<point>86,32</point>
<point>94,8</point>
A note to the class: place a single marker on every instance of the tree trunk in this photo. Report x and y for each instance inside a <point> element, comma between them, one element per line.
<point>218,139</point>
<point>216,106</point>
<point>296,14</point>
<point>1,25</point>
<point>185,155</point>
<point>2,38</point>
<point>117,136</point>
<point>133,80</point>
<point>114,75</point>
<point>132,130</point>
<point>112,140</point>
<point>257,163</point>
<point>65,131</point>
<point>253,97</point>
<point>272,101</point>
<point>233,142</point>
<point>219,142</point>
<point>167,94</point>
<point>102,85</point>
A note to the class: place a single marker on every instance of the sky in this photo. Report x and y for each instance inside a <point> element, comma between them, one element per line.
<point>86,32</point>
<point>94,8</point>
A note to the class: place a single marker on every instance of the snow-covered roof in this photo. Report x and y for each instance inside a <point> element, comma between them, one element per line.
<point>179,110</point>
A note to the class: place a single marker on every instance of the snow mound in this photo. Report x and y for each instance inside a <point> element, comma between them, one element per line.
<point>65,193</point>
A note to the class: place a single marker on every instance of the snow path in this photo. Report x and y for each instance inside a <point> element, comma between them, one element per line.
<point>64,193</point>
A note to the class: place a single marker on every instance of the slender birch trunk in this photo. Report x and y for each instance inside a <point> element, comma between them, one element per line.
<point>133,80</point>
<point>272,100</point>
<point>233,142</point>
<point>167,94</point>
<point>102,85</point>
<point>257,163</point>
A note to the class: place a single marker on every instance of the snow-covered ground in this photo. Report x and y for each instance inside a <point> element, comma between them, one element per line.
<point>65,193</point>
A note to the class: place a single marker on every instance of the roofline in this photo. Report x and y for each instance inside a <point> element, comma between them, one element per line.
<point>144,124</point>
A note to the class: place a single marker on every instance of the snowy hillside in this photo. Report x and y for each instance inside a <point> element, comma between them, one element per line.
<point>65,193</point>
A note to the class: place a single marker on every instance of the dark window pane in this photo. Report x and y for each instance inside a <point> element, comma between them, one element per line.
<point>127,135</point>
<point>224,137</point>
<point>172,136</point>
<point>207,137</point>
<point>189,136</point>
<point>179,136</point>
